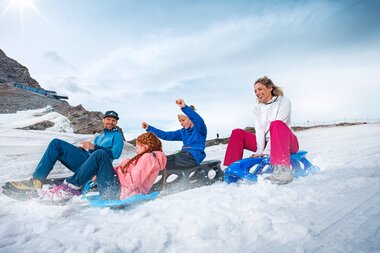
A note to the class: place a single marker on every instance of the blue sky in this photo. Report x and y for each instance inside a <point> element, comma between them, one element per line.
<point>137,57</point>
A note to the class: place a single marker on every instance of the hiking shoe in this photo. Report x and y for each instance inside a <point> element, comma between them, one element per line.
<point>282,174</point>
<point>59,194</point>
<point>26,185</point>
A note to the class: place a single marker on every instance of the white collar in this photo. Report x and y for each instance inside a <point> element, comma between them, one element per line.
<point>273,99</point>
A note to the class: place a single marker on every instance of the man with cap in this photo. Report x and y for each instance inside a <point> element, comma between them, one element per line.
<point>109,141</point>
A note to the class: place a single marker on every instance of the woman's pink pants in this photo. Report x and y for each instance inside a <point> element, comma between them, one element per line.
<point>282,141</point>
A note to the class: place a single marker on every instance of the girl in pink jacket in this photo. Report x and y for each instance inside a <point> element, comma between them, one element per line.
<point>133,176</point>
<point>137,175</point>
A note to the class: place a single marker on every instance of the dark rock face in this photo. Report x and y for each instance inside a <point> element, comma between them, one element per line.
<point>82,121</point>
<point>250,129</point>
<point>15,99</point>
<point>216,141</point>
<point>13,72</point>
<point>39,126</point>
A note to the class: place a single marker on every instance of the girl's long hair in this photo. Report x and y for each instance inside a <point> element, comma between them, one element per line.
<point>153,144</point>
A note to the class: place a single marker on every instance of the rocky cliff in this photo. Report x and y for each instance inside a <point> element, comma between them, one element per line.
<point>14,99</point>
<point>13,72</point>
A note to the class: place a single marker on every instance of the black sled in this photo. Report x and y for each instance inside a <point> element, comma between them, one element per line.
<point>178,180</point>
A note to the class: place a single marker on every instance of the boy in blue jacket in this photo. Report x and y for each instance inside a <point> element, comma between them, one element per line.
<point>193,135</point>
<point>109,141</point>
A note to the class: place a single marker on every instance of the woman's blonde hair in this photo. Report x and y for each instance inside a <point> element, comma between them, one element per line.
<point>153,144</point>
<point>276,90</point>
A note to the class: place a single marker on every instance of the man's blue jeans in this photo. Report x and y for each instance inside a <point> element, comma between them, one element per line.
<point>84,166</point>
<point>58,150</point>
<point>99,165</point>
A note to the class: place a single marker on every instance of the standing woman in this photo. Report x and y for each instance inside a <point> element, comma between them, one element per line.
<point>273,134</point>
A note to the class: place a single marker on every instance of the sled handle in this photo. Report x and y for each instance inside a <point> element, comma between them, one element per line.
<point>87,187</point>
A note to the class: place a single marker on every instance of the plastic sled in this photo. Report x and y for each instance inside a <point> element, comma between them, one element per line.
<point>206,173</point>
<point>250,168</point>
<point>177,180</point>
<point>97,201</point>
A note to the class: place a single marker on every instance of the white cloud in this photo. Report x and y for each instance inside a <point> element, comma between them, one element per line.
<point>214,68</point>
<point>165,61</point>
<point>55,58</point>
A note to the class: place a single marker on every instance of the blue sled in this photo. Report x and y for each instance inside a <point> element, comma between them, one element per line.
<point>97,201</point>
<point>250,168</point>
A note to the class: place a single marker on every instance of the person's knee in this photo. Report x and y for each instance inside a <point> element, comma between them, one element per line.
<point>99,153</point>
<point>237,132</point>
<point>277,123</point>
<point>170,157</point>
<point>55,143</point>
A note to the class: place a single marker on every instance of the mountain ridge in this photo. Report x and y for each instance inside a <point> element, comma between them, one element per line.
<point>14,99</point>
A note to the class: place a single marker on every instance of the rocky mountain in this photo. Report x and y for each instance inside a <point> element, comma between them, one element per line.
<point>13,72</point>
<point>15,99</point>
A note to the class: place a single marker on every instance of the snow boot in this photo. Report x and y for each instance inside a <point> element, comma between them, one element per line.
<point>59,194</point>
<point>282,174</point>
<point>26,185</point>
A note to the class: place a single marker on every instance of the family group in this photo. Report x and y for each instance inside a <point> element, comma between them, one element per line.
<point>93,160</point>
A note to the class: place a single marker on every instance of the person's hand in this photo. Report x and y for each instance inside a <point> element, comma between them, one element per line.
<point>144,125</point>
<point>180,103</point>
<point>87,145</point>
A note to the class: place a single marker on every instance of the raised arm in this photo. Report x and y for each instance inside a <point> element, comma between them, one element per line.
<point>168,136</point>
<point>193,116</point>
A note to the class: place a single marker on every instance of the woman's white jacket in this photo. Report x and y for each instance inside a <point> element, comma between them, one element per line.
<point>278,108</point>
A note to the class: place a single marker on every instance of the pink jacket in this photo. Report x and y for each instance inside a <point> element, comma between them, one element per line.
<point>140,175</point>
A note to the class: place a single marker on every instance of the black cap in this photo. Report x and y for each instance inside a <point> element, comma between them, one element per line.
<point>111,114</point>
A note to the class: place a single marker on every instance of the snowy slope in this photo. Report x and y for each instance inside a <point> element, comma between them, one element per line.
<point>337,210</point>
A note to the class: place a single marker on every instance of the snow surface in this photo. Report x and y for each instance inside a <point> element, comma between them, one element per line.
<point>337,210</point>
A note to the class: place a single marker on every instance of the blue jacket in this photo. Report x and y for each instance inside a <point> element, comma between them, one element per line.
<point>194,138</point>
<point>110,141</point>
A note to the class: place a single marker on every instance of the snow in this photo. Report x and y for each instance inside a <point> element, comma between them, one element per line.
<point>337,210</point>
<point>26,118</point>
